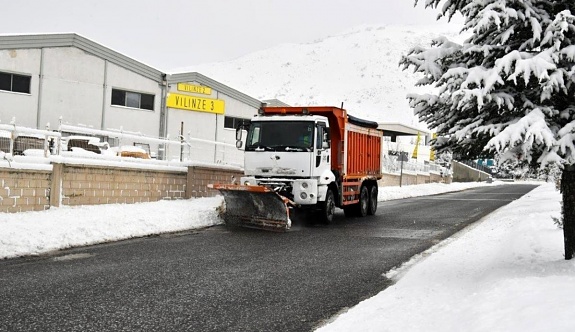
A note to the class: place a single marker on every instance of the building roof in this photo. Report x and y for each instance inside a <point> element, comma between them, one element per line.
<point>275,102</point>
<point>399,129</point>
<point>199,78</point>
<point>8,42</point>
<point>27,41</point>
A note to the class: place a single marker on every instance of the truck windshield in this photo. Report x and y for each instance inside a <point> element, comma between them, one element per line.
<point>280,136</point>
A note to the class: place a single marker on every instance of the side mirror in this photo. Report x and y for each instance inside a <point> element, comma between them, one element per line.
<point>239,134</point>
<point>239,144</point>
<point>325,143</point>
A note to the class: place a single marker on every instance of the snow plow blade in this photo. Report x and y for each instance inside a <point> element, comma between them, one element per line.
<point>254,207</point>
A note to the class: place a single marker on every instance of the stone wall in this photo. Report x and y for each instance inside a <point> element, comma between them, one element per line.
<point>89,185</point>
<point>24,190</point>
<point>67,184</point>
<point>199,178</point>
<point>70,184</point>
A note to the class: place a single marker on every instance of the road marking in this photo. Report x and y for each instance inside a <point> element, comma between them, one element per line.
<point>72,257</point>
<point>496,193</point>
<point>467,199</point>
<point>405,233</point>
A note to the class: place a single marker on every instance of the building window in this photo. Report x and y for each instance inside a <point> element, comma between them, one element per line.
<point>231,122</point>
<point>15,82</point>
<point>132,99</point>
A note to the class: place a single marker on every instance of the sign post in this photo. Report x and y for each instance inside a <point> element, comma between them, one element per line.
<point>402,158</point>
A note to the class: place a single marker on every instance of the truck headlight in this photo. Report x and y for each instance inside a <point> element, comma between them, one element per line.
<point>303,195</point>
<point>304,185</point>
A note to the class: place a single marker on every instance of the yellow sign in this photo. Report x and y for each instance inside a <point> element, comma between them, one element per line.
<point>194,88</point>
<point>191,103</point>
<point>414,155</point>
<point>432,152</point>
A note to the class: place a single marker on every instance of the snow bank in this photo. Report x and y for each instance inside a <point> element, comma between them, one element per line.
<point>504,274</point>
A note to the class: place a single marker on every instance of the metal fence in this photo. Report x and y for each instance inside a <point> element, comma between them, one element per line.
<point>391,164</point>
<point>67,139</point>
<point>71,141</point>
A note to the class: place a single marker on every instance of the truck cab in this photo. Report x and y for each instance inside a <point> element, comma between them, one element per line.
<point>292,151</point>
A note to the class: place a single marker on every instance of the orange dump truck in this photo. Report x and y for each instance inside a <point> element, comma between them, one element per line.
<point>316,158</point>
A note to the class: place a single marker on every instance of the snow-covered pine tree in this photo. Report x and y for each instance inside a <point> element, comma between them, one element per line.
<point>509,89</point>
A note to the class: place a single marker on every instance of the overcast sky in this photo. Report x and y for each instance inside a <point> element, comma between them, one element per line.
<point>171,34</point>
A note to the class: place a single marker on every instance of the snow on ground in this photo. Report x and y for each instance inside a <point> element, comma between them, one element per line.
<point>505,273</point>
<point>33,233</point>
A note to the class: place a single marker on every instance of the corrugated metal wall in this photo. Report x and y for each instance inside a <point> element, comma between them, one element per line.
<point>363,154</point>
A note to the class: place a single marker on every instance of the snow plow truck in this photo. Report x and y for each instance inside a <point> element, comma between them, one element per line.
<point>314,158</point>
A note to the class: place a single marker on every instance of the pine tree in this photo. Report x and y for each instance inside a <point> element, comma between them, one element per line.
<point>509,89</point>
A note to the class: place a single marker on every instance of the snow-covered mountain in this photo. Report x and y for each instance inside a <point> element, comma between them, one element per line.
<point>358,67</point>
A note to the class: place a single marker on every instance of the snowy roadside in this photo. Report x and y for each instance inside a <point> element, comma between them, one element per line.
<point>507,273</point>
<point>33,233</point>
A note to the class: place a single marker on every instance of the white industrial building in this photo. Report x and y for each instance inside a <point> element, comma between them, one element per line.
<point>46,79</point>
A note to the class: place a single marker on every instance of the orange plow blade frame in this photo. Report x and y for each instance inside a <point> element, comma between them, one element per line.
<point>254,207</point>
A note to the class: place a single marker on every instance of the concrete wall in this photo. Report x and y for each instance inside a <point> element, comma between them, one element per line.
<point>392,180</point>
<point>36,190</point>
<point>464,173</point>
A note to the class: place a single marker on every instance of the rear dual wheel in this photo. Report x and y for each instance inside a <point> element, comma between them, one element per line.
<point>359,209</point>
<point>367,204</point>
<point>363,205</point>
<point>373,193</point>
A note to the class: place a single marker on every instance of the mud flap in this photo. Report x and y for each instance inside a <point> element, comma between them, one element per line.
<point>254,207</point>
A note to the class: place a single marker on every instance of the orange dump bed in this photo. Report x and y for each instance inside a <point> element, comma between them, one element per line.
<point>363,152</point>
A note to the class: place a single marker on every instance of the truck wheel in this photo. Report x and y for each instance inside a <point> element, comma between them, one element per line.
<point>327,208</point>
<point>363,205</point>
<point>372,200</point>
<point>361,208</point>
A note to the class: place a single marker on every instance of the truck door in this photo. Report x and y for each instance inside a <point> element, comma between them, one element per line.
<point>322,149</point>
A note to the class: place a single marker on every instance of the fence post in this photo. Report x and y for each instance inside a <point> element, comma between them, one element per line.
<point>56,184</point>
<point>189,182</point>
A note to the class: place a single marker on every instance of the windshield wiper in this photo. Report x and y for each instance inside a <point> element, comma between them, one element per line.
<point>260,148</point>
<point>298,149</point>
<point>289,148</point>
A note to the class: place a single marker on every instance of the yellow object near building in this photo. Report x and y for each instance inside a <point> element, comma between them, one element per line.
<point>432,151</point>
<point>191,103</point>
<point>185,87</point>
<point>414,155</point>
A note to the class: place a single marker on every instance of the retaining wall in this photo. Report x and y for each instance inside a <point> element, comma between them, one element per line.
<point>24,190</point>
<point>72,184</point>
<point>34,190</point>
<point>464,173</point>
<point>392,180</point>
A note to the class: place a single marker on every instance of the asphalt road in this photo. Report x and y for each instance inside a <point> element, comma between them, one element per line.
<point>221,279</point>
